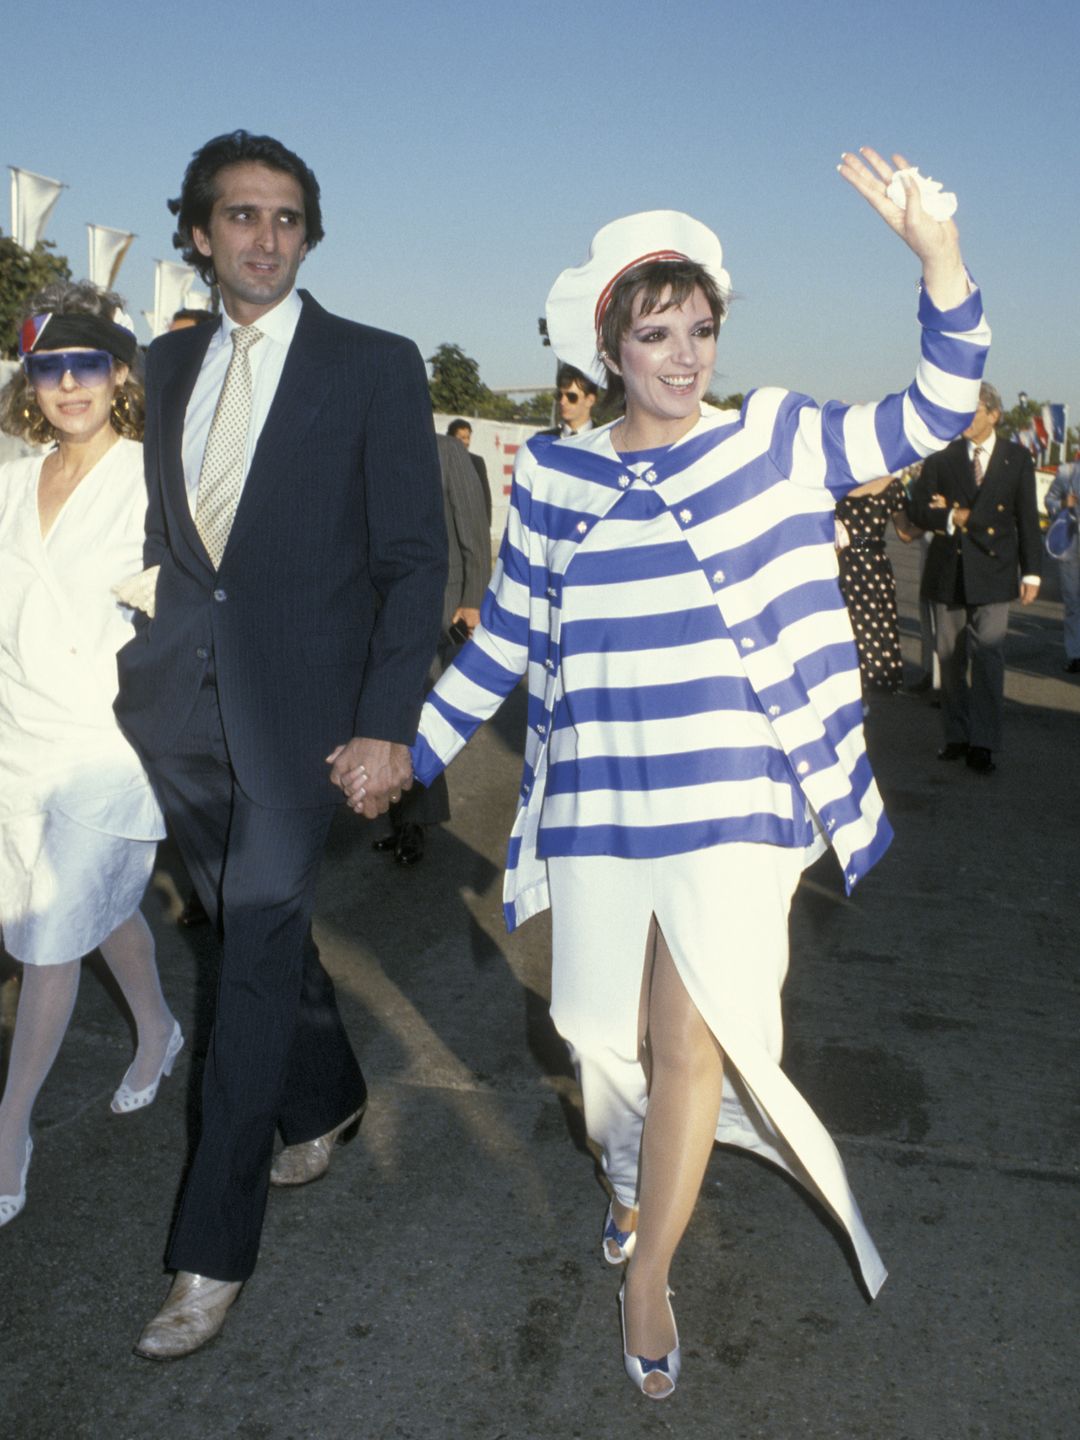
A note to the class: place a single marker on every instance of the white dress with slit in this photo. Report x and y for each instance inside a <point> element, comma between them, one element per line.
<point>695,730</point>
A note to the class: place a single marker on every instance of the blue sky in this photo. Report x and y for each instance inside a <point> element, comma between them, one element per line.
<point>467,153</point>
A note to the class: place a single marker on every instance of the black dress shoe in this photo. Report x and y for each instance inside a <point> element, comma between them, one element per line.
<point>1072,667</point>
<point>410,844</point>
<point>386,843</point>
<point>920,687</point>
<point>954,750</point>
<point>193,913</point>
<point>979,759</point>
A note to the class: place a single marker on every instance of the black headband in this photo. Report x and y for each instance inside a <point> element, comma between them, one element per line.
<point>74,331</point>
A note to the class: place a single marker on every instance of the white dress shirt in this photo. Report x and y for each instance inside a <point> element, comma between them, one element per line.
<point>267,362</point>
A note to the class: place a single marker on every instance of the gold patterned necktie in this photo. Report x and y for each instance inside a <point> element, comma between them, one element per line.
<point>222,473</point>
<point>977,462</point>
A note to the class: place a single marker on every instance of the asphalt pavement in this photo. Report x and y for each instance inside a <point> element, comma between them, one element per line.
<point>445,1280</point>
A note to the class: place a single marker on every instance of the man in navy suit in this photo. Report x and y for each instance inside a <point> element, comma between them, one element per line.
<point>295,514</point>
<point>977,497</point>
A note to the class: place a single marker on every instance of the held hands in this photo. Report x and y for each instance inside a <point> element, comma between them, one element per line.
<point>935,242</point>
<point>371,773</point>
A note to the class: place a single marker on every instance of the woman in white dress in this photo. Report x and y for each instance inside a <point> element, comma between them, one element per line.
<point>668,583</point>
<point>79,824</point>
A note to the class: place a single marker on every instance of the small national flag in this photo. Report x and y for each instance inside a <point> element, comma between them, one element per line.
<point>1054,420</point>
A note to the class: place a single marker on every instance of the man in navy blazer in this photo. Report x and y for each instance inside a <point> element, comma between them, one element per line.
<point>287,651</point>
<point>977,497</point>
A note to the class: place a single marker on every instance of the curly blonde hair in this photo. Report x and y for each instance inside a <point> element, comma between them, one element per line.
<point>20,414</point>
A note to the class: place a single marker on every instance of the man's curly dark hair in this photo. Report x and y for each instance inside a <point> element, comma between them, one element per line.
<point>199,190</point>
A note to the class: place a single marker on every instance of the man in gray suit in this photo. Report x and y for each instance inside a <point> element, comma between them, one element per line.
<point>461,430</point>
<point>469,546</point>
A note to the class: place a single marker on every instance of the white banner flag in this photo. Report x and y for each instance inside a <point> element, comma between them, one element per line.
<point>32,199</point>
<point>107,251</point>
<point>172,282</point>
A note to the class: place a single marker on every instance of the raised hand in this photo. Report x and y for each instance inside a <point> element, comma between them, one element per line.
<point>935,242</point>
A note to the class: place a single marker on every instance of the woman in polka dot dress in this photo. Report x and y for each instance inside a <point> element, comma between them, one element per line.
<point>866,577</point>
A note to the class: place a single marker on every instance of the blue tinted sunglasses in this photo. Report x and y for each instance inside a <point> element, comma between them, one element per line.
<point>86,367</point>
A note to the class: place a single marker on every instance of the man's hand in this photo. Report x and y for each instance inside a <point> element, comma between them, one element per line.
<point>1028,592</point>
<point>470,617</point>
<point>960,516</point>
<point>1069,501</point>
<point>371,773</point>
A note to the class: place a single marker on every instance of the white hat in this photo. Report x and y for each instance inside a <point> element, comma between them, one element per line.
<point>577,301</point>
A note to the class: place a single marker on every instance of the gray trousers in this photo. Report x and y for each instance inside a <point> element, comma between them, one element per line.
<point>975,635</point>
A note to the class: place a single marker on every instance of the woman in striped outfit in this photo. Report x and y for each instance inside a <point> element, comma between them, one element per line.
<point>668,584</point>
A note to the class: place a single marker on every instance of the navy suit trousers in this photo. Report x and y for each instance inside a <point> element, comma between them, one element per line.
<point>279,1057</point>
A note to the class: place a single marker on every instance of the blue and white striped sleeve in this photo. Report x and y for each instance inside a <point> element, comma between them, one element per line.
<point>841,445</point>
<point>488,667</point>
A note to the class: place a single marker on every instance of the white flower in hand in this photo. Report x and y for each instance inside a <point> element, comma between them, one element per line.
<point>938,203</point>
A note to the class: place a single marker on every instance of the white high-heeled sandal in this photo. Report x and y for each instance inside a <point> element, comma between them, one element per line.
<point>623,1240</point>
<point>125,1100</point>
<point>639,1367</point>
<point>11,1205</point>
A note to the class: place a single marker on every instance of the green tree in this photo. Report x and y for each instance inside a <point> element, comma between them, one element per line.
<point>1019,417</point>
<point>498,407</point>
<point>456,389</point>
<point>22,274</point>
<point>537,409</point>
<point>455,385</point>
<point>726,402</point>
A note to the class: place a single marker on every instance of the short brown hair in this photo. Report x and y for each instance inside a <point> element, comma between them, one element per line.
<point>661,285</point>
<point>20,414</point>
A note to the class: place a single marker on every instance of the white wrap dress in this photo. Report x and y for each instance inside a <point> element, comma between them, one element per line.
<point>79,824</point>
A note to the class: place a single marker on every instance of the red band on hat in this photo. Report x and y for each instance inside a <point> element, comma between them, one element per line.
<point>31,330</point>
<point>605,294</point>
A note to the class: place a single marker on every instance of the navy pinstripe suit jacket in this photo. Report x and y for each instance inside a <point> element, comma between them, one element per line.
<point>324,615</point>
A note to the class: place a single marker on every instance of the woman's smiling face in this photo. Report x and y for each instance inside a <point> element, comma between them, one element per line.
<point>666,360</point>
<point>78,411</point>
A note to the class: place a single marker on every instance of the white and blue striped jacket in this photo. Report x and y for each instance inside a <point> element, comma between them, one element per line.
<point>752,495</point>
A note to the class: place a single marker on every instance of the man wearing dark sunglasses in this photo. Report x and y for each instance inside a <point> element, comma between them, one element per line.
<point>575,395</point>
<point>296,538</point>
